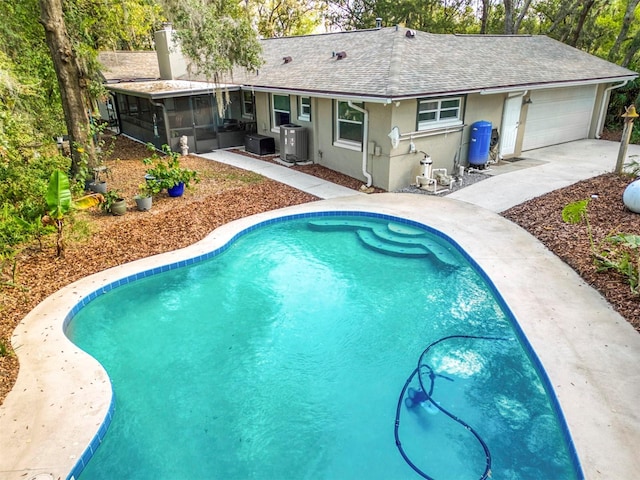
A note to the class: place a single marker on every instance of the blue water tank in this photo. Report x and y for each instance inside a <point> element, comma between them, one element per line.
<point>479,143</point>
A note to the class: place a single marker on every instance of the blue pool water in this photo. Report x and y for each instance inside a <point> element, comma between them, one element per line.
<point>292,354</point>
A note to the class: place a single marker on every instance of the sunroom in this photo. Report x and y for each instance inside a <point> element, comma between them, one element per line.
<point>162,112</point>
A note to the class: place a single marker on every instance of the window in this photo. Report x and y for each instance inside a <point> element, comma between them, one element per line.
<point>281,110</point>
<point>123,106</point>
<point>133,106</point>
<point>304,108</point>
<point>435,112</point>
<point>247,104</point>
<point>349,124</point>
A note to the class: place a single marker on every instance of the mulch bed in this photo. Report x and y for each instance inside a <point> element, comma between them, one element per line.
<point>542,217</point>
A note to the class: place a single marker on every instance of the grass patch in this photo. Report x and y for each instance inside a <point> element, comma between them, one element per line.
<point>240,176</point>
<point>80,231</point>
<point>4,350</point>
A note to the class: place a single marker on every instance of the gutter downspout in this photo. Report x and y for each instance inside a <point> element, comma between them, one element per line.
<point>166,120</point>
<point>365,142</point>
<point>605,101</point>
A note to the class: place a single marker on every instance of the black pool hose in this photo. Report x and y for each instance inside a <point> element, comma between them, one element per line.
<point>429,392</point>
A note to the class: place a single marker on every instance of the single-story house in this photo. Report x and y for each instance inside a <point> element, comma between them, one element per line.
<point>370,103</point>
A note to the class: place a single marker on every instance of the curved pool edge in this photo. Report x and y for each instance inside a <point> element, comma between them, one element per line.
<point>62,395</point>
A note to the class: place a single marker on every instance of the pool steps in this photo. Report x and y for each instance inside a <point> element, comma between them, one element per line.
<point>391,239</point>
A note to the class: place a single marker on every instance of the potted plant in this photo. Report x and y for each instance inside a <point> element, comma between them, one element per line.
<point>114,203</point>
<point>168,173</point>
<point>146,192</point>
<point>99,184</point>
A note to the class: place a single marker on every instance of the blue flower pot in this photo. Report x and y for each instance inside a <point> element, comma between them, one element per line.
<point>176,190</point>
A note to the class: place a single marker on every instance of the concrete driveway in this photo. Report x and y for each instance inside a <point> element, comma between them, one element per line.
<point>542,170</point>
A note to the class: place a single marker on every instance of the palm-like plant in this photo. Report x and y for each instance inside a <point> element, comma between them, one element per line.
<point>60,204</point>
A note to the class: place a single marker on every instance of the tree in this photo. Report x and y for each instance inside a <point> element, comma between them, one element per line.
<point>26,58</point>
<point>72,81</point>
<point>351,14</point>
<point>216,36</point>
<point>624,29</point>
<point>113,24</point>
<point>484,19</point>
<point>280,18</point>
<point>587,5</point>
<point>625,26</point>
<point>508,17</point>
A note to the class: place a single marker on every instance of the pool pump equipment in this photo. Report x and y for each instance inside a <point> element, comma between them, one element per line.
<point>435,180</point>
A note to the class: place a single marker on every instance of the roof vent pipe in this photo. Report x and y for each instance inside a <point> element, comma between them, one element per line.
<point>410,33</point>
<point>378,23</point>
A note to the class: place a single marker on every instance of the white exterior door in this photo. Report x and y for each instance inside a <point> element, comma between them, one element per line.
<point>558,115</point>
<point>510,123</point>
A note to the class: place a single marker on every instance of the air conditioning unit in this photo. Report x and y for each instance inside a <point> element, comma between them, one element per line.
<point>294,145</point>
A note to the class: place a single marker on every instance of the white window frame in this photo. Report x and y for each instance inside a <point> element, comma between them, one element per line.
<point>441,112</point>
<point>274,110</point>
<point>245,101</point>
<point>302,114</point>
<point>344,142</point>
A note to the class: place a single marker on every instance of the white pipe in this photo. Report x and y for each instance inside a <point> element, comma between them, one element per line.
<point>603,104</point>
<point>365,141</point>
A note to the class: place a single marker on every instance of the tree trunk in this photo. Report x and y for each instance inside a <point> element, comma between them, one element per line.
<point>562,14</point>
<point>624,29</point>
<point>508,17</point>
<point>523,13</point>
<point>632,49</point>
<point>485,16</point>
<point>71,81</point>
<point>586,8</point>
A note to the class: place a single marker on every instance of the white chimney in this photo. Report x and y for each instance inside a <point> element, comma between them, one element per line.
<point>171,63</point>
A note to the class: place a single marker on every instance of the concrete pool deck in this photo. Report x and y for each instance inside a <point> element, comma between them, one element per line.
<point>589,352</point>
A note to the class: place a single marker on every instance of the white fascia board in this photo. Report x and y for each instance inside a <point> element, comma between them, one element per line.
<point>310,93</point>
<point>540,86</point>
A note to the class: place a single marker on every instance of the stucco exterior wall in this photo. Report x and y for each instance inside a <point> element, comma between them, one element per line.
<point>480,107</point>
<point>337,158</point>
<point>263,121</point>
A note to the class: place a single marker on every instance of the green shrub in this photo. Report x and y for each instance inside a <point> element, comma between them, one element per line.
<point>619,252</point>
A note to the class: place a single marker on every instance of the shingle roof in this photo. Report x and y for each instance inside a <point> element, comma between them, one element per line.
<point>127,66</point>
<point>388,64</point>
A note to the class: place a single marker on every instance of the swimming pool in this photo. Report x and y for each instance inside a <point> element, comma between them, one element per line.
<point>299,365</point>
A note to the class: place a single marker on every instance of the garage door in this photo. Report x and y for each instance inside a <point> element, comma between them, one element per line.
<point>558,115</point>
